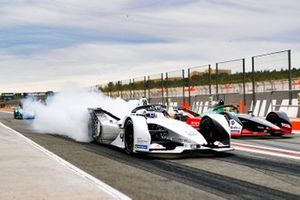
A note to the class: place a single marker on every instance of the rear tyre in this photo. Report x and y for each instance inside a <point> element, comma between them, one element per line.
<point>274,119</point>
<point>129,137</point>
<point>96,129</point>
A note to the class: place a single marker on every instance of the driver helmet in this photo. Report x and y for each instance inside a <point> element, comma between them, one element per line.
<point>220,103</point>
<point>151,114</point>
<point>143,102</point>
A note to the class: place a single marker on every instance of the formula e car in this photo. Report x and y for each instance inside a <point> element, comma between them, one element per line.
<point>194,119</point>
<point>19,113</point>
<point>188,116</point>
<point>149,129</point>
<point>276,123</point>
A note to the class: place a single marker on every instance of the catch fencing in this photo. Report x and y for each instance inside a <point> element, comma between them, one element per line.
<point>234,80</point>
<point>279,64</point>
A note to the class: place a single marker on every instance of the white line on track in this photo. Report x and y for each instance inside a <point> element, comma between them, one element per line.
<point>101,185</point>
<point>267,150</point>
<point>4,111</point>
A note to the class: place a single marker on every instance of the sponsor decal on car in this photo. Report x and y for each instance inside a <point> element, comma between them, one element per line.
<point>141,141</point>
<point>192,134</point>
<point>235,127</point>
<point>195,123</point>
<point>141,146</point>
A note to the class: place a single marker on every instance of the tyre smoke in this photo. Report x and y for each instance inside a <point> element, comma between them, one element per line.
<point>66,113</point>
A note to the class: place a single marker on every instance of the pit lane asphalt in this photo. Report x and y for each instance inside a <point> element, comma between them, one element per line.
<point>285,142</point>
<point>235,175</point>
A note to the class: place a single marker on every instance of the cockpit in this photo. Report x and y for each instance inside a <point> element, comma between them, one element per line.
<point>151,111</point>
<point>227,108</point>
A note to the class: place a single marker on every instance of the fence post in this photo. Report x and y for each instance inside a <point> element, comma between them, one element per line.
<point>209,79</point>
<point>162,87</point>
<point>183,87</point>
<point>118,88</point>
<point>290,77</point>
<point>133,89</point>
<point>189,85</point>
<point>244,81</point>
<point>148,87</point>
<point>121,88</point>
<point>144,87</point>
<point>217,82</point>
<point>167,88</point>
<point>253,83</point>
<point>130,89</point>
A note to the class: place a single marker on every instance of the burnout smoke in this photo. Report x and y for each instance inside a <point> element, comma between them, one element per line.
<point>66,113</point>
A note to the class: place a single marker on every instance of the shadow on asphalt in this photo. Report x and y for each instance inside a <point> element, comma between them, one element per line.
<point>149,156</point>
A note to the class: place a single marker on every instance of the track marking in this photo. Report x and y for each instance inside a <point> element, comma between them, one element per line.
<point>4,111</point>
<point>101,185</point>
<point>267,150</point>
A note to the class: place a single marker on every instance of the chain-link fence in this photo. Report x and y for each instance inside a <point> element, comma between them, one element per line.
<point>271,72</point>
<point>231,78</point>
<point>175,84</point>
<point>156,88</point>
<point>139,87</point>
<point>199,81</point>
<point>126,91</point>
<point>233,81</point>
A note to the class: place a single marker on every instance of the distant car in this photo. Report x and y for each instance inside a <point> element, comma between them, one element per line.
<point>19,113</point>
<point>195,119</point>
<point>188,116</point>
<point>276,123</point>
<point>149,129</point>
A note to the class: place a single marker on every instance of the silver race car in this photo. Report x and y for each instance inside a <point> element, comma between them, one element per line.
<point>149,129</point>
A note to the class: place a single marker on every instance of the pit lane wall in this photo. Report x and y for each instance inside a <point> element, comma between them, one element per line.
<point>265,102</point>
<point>268,96</point>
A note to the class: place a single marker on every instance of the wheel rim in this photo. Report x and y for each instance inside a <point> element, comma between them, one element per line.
<point>96,129</point>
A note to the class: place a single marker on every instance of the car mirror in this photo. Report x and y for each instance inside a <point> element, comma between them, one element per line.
<point>250,112</point>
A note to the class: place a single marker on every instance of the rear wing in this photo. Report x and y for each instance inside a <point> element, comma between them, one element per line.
<point>100,110</point>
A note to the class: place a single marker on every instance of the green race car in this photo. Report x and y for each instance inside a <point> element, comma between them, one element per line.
<point>19,113</point>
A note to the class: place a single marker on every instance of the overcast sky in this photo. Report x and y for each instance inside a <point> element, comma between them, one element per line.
<point>51,44</point>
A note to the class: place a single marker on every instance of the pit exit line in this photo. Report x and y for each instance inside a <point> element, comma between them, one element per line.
<point>267,150</point>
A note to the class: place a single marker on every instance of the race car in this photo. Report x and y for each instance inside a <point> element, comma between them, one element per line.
<point>149,129</point>
<point>188,116</point>
<point>276,123</point>
<point>19,113</point>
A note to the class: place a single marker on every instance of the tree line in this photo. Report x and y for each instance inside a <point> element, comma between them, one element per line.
<point>201,79</point>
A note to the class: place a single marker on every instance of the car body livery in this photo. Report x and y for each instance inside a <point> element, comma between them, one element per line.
<point>276,123</point>
<point>149,129</point>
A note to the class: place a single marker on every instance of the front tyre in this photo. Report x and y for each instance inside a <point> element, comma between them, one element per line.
<point>207,130</point>
<point>129,137</point>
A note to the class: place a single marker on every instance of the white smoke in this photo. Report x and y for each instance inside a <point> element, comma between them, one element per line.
<point>66,113</point>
